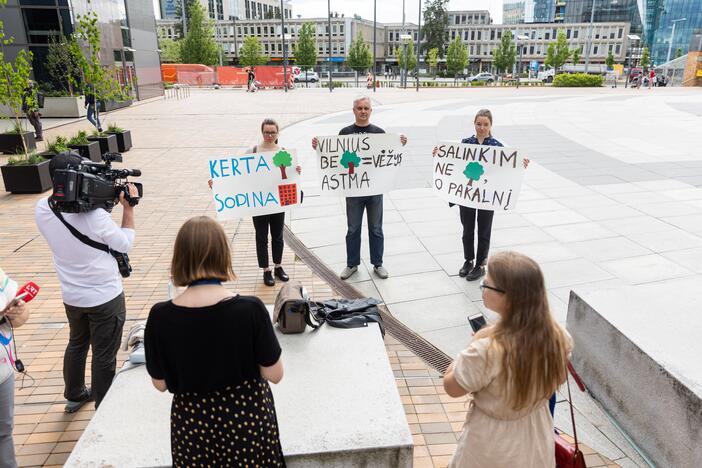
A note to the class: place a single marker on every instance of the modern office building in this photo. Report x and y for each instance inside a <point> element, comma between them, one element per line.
<point>225,9</point>
<point>513,11</point>
<point>528,11</point>
<point>128,33</point>
<point>686,15</point>
<point>580,11</point>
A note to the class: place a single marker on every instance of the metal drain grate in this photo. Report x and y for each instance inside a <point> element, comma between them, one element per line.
<point>426,351</point>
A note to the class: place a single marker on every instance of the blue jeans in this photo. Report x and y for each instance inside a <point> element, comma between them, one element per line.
<point>354,216</point>
<point>93,117</point>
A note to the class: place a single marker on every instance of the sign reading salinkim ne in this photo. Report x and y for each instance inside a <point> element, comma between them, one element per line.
<point>254,184</point>
<point>359,164</point>
<point>484,177</point>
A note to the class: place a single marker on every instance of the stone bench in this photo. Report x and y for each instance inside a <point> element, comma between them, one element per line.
<point>639,351</point>
<point>337,406</point>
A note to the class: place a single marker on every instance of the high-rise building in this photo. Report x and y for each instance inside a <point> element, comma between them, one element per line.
<point>687,17</point>
<point>169,8</point>
<point>528,11</point>
<point>632,11</point>
<point>513,11</point>
<point>224,9</point>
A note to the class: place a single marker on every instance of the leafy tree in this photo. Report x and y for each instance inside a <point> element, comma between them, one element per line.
<point>558,52</point>
<point>170,50</point>
<point>435,29</point>
<point>282,159</point>
<point>505,55</point>
<point>609,61</point>
<point>575,53</point>
<point>360,57</point>
<point>198,46</point>
<point>179,15</point>
<point>473,171</point>
<point>678,52</point>
<point>433,58</point>
<point>350,160</point>
<point>456,57</point>
<point>62,64</point>
<point>645,58</point>
<point>406,55</point>
<point>306,49</point>
<point>250,53</point>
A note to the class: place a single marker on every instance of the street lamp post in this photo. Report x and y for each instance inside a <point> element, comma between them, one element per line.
<point>374,42</point>
<point>632,38</point>
<point>184,12</point>
<point>419,39</point>
<point>285,52</point>
<point>589,36</point>
<point>672,36</point>
<point>520,38</point>
<point>403,79</point>
<point>329,51</point>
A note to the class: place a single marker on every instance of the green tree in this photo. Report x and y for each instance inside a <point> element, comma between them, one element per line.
<point>250,53</point>
<point>179,15</point>
<point>505,55</point>
<point>350,160</point>
<point>558,52</point>
<point>62,64</point>
<point>282,159</point>
<point>360,57</point>
<point>306,49</point>
<point>678,52</point>
<point>433,58</point>
<point>456,57</point>
<point>575,53</point>
<point>645,58</point>
<point>435,29</point>
<point>609,61</point>
<point>199,45</point>
<point>406,55</point>
<point>170,50</point>
<point>473,171</point>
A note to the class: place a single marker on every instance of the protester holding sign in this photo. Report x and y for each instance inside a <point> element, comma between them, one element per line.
<point>355,206</point>
<point>474,268</point>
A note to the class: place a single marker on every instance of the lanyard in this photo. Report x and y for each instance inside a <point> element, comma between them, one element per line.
<point>201,282</point>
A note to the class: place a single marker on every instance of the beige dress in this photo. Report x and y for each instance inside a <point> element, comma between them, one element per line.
<point>494,435</point>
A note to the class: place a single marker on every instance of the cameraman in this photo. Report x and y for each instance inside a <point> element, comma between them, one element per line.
<point>91,287</point>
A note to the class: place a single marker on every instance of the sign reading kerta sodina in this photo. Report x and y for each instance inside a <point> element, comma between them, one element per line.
<point>254,184</point>
<point>360,164</point>
<point>484,177</point>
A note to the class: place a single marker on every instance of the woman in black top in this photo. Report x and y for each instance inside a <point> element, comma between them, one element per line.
<point>216,352</point>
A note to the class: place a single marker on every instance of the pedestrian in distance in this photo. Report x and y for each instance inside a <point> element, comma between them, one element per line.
<point>511,369</point>
<point>651,77</point>
<point>274,222</point>
<point>251,82</point>
<point>372,204</point>
<point>474,266</point>
<point>32,101</point>
<point>369,80</point>
<point>222,412</point>
<point>92,104</point>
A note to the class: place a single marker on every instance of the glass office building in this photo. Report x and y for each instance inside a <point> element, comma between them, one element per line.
<point>631,11</point>
<point>687,16</point>
<point>528,11</point>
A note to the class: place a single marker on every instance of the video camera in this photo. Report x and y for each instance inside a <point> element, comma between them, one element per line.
<point>85,186</point>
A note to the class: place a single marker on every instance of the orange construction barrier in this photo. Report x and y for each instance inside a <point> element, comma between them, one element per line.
<point>169,71</point>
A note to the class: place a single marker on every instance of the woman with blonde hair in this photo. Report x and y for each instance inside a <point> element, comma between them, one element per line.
<point>216,352</point>
<point>511,369</point>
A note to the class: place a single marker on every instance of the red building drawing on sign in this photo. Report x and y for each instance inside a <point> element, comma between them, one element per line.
<point>287,194</point>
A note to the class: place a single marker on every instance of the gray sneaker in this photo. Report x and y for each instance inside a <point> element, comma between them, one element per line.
<point>381,272</point>
<point>347,272</point>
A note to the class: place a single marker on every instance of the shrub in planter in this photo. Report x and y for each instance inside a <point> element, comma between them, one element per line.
<point>87,149</point>
<point>124,137</point>
<point>26,174</point>
<point>15,140</point>
<point>578,80</point>
<point>54,147</point>
<point>108,143</point>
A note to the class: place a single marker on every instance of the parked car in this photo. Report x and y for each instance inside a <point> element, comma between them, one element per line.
<point>307,76</point>
<point>484,76</point>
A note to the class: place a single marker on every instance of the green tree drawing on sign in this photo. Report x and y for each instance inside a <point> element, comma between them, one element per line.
<point>473,171</point>
<point>282,159</point>
<point>350,160</point>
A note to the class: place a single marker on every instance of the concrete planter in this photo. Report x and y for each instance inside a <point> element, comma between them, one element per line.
<point>21,178</point>
<point>110,105</point>
<point>124,140</point>
<point>11,143</point>
<point>90,151</point>
<point>64,107</point>
<point>108,143</point>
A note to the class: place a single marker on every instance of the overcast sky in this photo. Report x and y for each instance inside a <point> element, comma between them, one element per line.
<point>389,11</point>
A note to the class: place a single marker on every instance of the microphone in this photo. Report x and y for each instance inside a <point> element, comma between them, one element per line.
<point>29,291</point>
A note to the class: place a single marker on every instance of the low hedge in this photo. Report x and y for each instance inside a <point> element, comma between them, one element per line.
<point>577,80</point>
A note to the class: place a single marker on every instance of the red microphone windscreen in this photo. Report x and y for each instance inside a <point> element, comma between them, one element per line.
<point>31,288</point>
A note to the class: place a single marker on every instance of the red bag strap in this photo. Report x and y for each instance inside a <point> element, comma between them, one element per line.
<point>576,377</point>
<point>572,412</point>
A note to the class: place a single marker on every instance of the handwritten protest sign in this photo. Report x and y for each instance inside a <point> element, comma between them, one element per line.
<point>360,164</point>
<point>485,177</point>
<point>254,184</point>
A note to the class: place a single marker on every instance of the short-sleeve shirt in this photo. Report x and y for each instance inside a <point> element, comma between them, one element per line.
<point>203,349</point>
<point>355,129</point>
<point>489,141</point>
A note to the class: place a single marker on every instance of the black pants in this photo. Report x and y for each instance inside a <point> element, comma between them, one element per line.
<point>100,327</point>
<point>468,216</point>
<point>274,222</point>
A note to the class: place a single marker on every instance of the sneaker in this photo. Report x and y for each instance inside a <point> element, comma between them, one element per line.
<point>280,274</point>
<point>347,272</point>
<point>268,278</point>
<point>381,272</point>
<point>475,273</point>
<point>465,269</point>
<point>73,406</point>
<point>100,129</point>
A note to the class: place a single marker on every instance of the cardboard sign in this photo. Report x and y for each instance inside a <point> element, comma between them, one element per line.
<point>254,184</point>
<point>360,164</point>
<point>484,177</point>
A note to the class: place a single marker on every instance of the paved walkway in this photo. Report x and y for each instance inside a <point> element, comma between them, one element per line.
<point>171,140</point>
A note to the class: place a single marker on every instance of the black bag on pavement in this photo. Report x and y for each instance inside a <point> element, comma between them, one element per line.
<point>348,313</point>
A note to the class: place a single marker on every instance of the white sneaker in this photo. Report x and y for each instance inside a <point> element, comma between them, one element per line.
<point>347,272</point>
<point>381,272</point>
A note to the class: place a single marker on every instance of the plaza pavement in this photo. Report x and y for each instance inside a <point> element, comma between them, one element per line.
<point>172,137</point>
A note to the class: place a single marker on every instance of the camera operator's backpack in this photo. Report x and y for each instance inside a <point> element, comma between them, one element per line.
<point>292,308</point>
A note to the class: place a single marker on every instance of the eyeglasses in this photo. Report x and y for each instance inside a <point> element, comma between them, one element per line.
<point>484,286</point>
<point>270,133</point>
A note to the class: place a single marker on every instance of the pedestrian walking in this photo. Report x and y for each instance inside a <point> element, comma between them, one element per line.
<point>510,369</point>
<point>372,204</point>
<point>92,104</point>
<point>216,352</point>
<point>32,101</point>
<point>651,77</point>
<point>251,83</point>
<point>369,80</point>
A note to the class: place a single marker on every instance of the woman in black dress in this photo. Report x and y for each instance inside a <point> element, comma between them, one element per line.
<point>216,352</point>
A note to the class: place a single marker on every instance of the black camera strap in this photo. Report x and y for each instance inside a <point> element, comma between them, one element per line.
<point>83,238</point>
